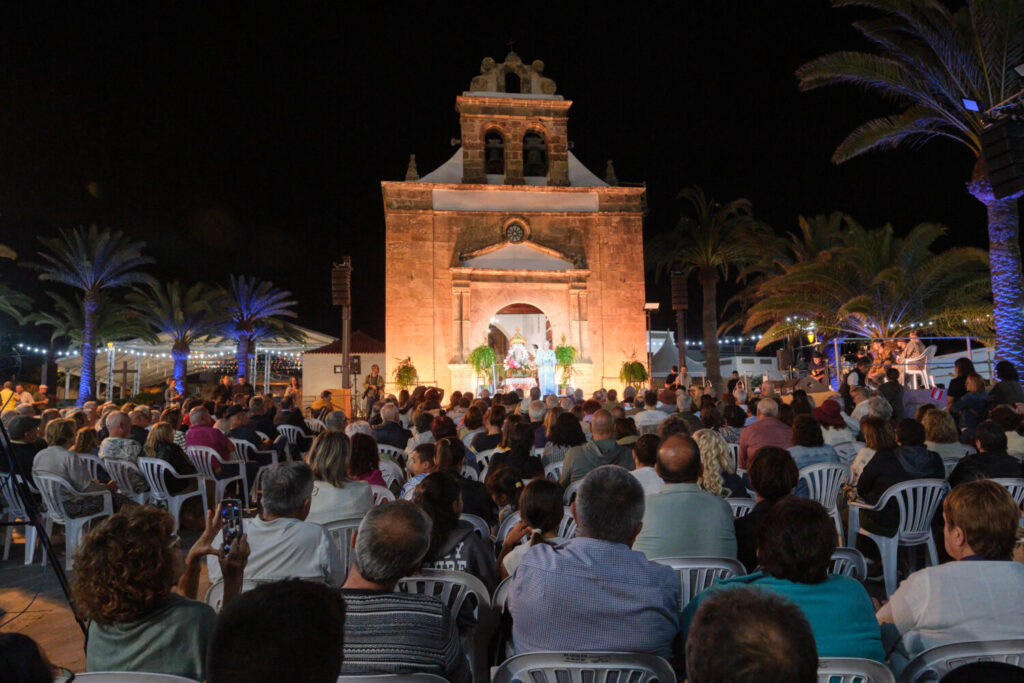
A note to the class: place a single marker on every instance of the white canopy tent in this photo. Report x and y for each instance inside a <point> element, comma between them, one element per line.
<point>136,363</point>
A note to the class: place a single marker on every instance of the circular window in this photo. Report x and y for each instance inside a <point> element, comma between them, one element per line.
<point>515,232</point>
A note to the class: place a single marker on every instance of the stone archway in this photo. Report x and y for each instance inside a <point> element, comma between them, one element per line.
<point>525,318</point>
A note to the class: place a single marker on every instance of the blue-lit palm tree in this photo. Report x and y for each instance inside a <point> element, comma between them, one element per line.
<point>185,315</point>
<point>928,60</point>
<point>254,310</point>
<point>114,320</point>
<point>92,260</point>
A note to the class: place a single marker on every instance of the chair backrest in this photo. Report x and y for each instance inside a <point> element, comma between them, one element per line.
<point>570,492</point>
<point>696,574</point>
<point>52,490</point>
<point>847,451</point>
<point>935,663</point>
<point>499,601</point>
<point>734,453</point>
<point>341,532</point>
<point>741,507</point>
<point>537,452</point>
<point>315,425</point>
<point>290,432</point>
<point>391,472</point>
<point>393,454</point>
<point>918,499</point>
<point>825,481</point>
<point>479,525</point>
<point>263,437</point>
<point>852,670</point>
<point>1015,487</point>
<point>125,677</point>
<point>203,459</point>
<point>153,470</point>
<point>553,471</point>
<point>567,528</point>
<point>120,472</point>
<point>93,463</point>
<point>506,525</point>
<point>450,587</point>
<point>11,500</point>
<point>242,448</point>
<point>470,472</point>
<point>592,667</point>
<point>848,562</point>
<point>381,495</point>
<point>483,458</point>
<point>393,678</point>
<point>215,593</point>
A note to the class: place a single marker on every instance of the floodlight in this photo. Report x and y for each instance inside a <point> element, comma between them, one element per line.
<point>970,105</point>
<point>652,306</point>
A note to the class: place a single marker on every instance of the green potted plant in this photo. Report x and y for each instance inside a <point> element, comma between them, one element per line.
<point>633,373</point>
<point>565,356</point>
<point>482,360</point>
<point>405,374</point>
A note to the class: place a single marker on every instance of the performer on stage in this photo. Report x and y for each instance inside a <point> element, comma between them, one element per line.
<point>546,361</point>
<point>373,385</point>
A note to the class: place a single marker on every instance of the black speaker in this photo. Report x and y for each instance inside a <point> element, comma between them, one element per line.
<point>341,283</point>
<point>784,358</point>
<point>680,301</point>
<point>1002,148</point>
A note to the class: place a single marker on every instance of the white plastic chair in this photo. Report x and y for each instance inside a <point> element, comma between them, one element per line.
<point>263,437</point>
<point>121,472</point>
<point>454,589</point>
<point>315,425</point>
<point>696,574</point>
<point>553,471</point>
<point>470,472</point>
<point>921,373</point>
<point>125,677</point>
<point>393,678</point>
<point>824,484</point>
<point>15,511</point>
<point>592,667</point>
<point>53,491</point>
<point>341,532</point>
<point>479,525</point>
<point>566,528</point>
<point>154,469</point>
<point>1015,487</point>
<point>395,455</point>
<point>918,499</point>
<point>741,507</point>
<point>499,605</point>
<point>94,463</point>
<point>391,472</point>
<point>570,492</point>
<point>933,664</point>
<point>537,452</point>
<point>734,453</point>
<point>203,459</point>
<point>852,670</point>
<point>848,562</point>
<point>291,433</point>
<point>215,593</point>
<point>381,494</point>
<point>483,461</point>
<point>245,452</point>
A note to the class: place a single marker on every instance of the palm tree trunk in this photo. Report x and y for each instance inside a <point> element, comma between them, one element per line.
<point>180,356</point>
<point>708,276</point>
<point>1005,266</point>
<point>242,355</point>
<point>90,303</point>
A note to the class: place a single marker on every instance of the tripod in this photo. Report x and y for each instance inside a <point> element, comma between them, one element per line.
<point>18,488</point>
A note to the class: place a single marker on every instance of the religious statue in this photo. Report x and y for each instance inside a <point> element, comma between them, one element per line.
<point>546,370</point>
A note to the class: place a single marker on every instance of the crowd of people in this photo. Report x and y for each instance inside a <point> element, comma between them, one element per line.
<point>645,477</point>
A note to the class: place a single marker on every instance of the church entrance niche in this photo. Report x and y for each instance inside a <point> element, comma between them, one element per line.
<point>526,319</point>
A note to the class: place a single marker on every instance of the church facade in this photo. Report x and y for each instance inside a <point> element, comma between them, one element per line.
<point>513,235</point>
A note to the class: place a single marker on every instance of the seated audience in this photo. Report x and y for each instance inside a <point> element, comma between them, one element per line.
<point>396,633</point>
<point>260,419</point>
<point>87,442</point>
<point>769,430</point>
<point>909,460</point>
<point>124,572</point>
<point>310,649</point>
<point>1010,420</point>
<point>536,411</point>
<point>322,407</point>
<point>364,460</point>
<point>681,520</point>
<point>504,485</point>
<point>336,421</point>
<point>809,448</point>
<point>624,428</point>
<point>239,427</point>
<point>203,433</point>
<point>1008,390</point>
<point>565,434</point>
<point>541,512</point>
<point>980,596</point>
<point>718,476</point>
<point>139,419</point>
<point>284,545</point>
<point>519,455</point>
<point>990,462</point>
<point>57,460</point>
<point>421,434</point>
<point>454,543</point>
<point>160,445</point>
<point>743,635</point>
<point>602,450</point>
<point>772,476</point>
<point>22,660</point>
<point>879,435</point>
<point>120,446</point>
<point>290,414</point>
<point>493,421</point>
<point>971,408</point>
<point>451,458</point>
<point>794,548</point>
<point>627,603</point>
<point>892,391</point>
<point>734,419</point>
<point>645,457</point>
<point>335,495</point>
<point>422,461</point>
<point>472,425</point>
<point>941,436</point>
<point>391,432</point>
<point>648,419</point>
<point>834,427</point>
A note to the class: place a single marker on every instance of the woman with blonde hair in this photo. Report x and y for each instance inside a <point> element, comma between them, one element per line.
<point>160,445</point>
<point>86,441</point>
<point>335,495</point>
<point>719,471</point>
<point>941,436</point>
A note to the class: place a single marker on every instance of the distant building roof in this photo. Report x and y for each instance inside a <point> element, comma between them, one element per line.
<point>359,343</point>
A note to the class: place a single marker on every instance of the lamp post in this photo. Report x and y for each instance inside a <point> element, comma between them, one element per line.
<point>649,308</point>
<point>680,302</point>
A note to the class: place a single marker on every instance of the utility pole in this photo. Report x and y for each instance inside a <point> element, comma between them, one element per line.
<point>341,295</point>
<point>680,302</point>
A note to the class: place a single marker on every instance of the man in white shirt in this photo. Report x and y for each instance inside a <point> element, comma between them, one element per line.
<point>978,597</point>
<point>645,456</point>
<point>650,417</point>
<point>282,544</point>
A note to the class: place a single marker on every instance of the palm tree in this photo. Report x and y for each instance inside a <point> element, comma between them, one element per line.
<point>185,315</point>
<point>876,285</point>
<point>91,260</point>
<point>114,321</point>
<point>254,309</point>
<point>929,60</point>
<point>716,238</point>
<point>11,302</point>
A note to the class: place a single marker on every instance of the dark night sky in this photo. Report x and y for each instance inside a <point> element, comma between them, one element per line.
<point>254,142</point>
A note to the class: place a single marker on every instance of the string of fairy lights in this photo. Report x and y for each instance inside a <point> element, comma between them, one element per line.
<point>218,361</point>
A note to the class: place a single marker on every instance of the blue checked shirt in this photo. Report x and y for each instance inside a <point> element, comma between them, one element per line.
<point>593,595</point>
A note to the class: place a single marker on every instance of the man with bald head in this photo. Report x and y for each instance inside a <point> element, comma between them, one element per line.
<point>683,520</point>
<point>120,446</point>
<point>201,432</point>
<point>602,450</point>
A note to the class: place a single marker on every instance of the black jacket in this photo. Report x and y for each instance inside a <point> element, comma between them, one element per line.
<point>392,434</point>
<point>888,468</point>
<point>988,465</point>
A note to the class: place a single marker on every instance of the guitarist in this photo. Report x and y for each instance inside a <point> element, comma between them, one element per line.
<point>373,387</point>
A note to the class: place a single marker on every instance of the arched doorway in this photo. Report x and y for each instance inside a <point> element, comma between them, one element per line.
<point>524,318</point>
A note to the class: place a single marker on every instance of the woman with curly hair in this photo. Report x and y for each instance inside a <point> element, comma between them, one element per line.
<point>719,471</point>
<point>124,574</point>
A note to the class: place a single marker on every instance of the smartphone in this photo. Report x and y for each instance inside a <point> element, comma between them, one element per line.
<point>231,518</point>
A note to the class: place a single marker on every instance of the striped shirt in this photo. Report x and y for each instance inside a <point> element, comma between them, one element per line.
<point>395,633</point>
